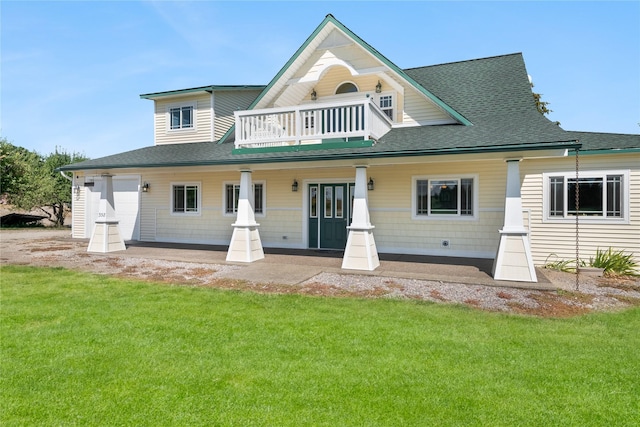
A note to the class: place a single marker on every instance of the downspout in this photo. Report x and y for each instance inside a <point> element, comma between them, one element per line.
<point>70,178</point>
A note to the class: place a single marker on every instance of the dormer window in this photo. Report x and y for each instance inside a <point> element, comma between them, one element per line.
<point>347,87</point>
<point>181,117</point>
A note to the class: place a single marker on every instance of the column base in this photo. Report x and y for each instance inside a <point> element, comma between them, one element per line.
<point>361,252</point>
<point>245,245</point>
<point>513,260</point>
<point>106,237</point>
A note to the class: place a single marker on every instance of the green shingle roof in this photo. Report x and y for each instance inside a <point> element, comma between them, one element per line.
<point>493,93</point>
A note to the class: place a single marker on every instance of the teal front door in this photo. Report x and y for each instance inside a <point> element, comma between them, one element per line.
<point>328,216</point>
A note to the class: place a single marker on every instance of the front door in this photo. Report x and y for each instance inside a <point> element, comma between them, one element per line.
<point>328,216</point>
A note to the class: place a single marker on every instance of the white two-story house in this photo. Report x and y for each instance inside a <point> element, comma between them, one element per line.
<point>344,150</point>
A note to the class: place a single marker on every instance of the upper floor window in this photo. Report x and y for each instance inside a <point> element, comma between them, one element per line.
<point>386,105</point>
<point>181,117</point>
<point>444,197</point>
<point>347,87</point>
<point>601,195</point>
<point>232,196</point>
<point>185,198</point>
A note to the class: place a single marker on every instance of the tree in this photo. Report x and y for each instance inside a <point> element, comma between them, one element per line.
<point>32,182</point>
<point>16,165</point>
<point>541,105</point>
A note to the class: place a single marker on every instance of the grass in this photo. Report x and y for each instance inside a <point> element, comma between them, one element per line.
<point>81,349</point>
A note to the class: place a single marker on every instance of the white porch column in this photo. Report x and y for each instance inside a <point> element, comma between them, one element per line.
<point>106,235</point>
<point>513,260</point>
<point>245,245</point>
<point>361,252</point>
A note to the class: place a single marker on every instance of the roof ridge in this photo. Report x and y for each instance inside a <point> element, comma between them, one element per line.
<point>465,60</point>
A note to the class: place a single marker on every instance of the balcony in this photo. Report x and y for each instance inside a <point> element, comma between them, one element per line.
<point>310,124</point>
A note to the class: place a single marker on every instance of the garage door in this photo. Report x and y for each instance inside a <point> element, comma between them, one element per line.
<point>126,200</point>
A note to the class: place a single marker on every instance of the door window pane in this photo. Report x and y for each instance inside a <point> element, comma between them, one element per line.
<point>313,201</point>
<point>328,202</point>
<point>339,202</point>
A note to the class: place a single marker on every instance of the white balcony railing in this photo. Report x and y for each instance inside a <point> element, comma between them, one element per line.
<point>309,124</point>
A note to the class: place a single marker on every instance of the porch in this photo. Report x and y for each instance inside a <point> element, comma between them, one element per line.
<point>294,266</point>
<point>310,124</point>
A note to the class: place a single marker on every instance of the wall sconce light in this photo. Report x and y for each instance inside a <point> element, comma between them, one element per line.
<point>145,187</point>
<point>379,87</point>
<point>314,95</point>
<point>370,184</point>
<point>76,190</point>
<point>294,186</point>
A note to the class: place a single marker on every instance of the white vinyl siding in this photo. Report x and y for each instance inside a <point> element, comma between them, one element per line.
<point>554,239</point>
<point>225,103</point>
<point>202,120</point>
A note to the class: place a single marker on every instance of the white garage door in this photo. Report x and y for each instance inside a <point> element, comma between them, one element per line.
<point>126,200</point>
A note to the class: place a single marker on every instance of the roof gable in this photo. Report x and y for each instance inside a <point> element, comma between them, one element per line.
<point>332,44</point>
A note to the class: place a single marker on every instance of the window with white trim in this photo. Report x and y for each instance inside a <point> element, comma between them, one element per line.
<point>444,197</point>
<point>602,195</point>
<point>181,117</point>
<point>185,198</point>
<point>385,102</point>
<point>232,195</point>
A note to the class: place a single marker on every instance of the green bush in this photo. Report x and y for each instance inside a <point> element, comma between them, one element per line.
<point>615,262</point>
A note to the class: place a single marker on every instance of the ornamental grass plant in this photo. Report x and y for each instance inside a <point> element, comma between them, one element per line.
<point>83,349</point>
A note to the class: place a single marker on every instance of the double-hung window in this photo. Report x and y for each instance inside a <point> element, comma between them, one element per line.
<point>444,197</point>
<point>601,195</point>
<point>386,105</point>
<point>185,198</point>
<point>181,117</point>
<point>232,196</point>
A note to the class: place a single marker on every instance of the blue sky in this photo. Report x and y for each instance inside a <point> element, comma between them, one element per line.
<point>72,72</point>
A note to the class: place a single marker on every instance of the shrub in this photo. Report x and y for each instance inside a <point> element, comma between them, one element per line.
<point>615,262</point>
<point>560,265</point>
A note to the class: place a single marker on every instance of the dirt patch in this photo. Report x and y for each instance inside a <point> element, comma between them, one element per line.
<point>42,247</point>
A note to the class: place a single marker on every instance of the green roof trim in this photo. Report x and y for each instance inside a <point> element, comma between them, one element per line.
<point>332,145</point>
<point>193,154</point>
<point>210,88</point>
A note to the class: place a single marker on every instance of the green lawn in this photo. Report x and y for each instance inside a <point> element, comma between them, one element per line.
<point>80,349</point>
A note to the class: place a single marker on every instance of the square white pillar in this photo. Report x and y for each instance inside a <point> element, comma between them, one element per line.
<point>361,252</point>
<point>245,245</point>
<point>513,259</point>
<point>106,235</point>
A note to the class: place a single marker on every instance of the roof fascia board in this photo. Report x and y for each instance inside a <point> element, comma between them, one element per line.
<point>608,151</point>
<point>208,89</point>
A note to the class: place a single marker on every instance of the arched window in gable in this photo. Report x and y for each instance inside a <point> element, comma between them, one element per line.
<point>346,87</point>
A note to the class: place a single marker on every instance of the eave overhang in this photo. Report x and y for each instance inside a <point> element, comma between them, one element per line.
<point>201,89</point>
<point>537,150</point>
